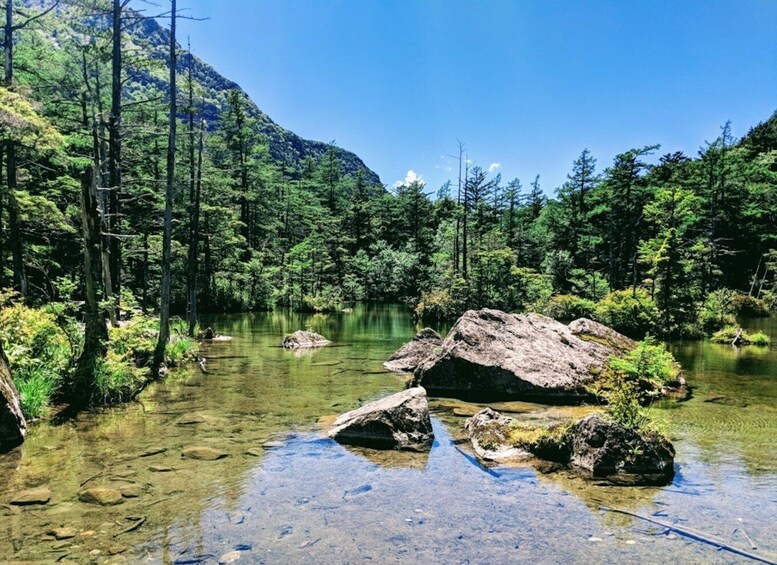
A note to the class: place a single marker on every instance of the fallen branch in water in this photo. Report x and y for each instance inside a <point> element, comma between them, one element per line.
<point>691,534</point>
<point>133,527</point>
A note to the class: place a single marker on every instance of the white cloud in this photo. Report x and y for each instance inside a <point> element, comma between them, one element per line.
<point>410,178</point>
<point>494,166</point>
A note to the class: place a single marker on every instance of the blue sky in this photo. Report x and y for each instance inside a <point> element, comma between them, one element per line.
<point>524,84</point>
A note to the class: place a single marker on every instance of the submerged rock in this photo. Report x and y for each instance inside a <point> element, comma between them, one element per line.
<point>496,437</point>
<point>203,453</point>
<point>399,421</point>
<point>13,426</point>
<point>103,496</point>
<point>491,355</point>
<point>604,449</point>
<point>303,339</point>
<point>131,490</point>
<point>40,495</point>
<point>63,533</point>
<point>412,354</point>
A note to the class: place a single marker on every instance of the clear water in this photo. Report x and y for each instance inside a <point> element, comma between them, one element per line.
<point>306,499</point>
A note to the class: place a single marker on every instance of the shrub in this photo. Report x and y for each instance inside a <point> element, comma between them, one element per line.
<point>759,338</point>
<point>629,381</point>
<point>569,307</point>
<point>716,311</point>
<point>728,334</point>
<point>39,355</point>
<point>630,313</point>
<point>744,305</point>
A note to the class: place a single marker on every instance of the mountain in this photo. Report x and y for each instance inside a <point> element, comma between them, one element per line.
<point>147,35</point>
<point>284,145</point>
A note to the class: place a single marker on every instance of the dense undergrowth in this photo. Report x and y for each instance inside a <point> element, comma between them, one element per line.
<point>43,345</point>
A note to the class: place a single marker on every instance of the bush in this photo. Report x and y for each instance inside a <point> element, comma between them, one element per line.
<point>630,313</point>
<point>40,355</point>
<point>716,311</point>
<point>630,381</point>
<point>728,334</point>
<point>569,307</point>
<point>744,305</point>
<point>760,338</point>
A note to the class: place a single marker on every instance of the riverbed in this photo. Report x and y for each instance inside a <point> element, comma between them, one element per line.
<point>286,494</point>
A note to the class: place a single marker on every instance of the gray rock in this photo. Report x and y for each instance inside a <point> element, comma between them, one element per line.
<point>491,355</point>
<point>604,449</point>
<point>412,354</point>
<point>400,421</point>
<point>489,432</point>
<point>304,339</point>
<point>13,426</point>
<point>588,330</point>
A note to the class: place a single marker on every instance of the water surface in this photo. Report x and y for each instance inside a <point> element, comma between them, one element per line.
<point>286,494</point>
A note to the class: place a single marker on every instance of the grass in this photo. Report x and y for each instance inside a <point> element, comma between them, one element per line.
<point>729,333</point>
<point>36,388</point>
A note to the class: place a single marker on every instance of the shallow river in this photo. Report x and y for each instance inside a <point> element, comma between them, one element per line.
<point>286,494</point>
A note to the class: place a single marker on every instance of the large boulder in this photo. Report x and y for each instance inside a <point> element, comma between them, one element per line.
<point>490,355</point>
<point>600,448</point>
<point>400,421</point>
<point>304,339</point>
<point>13,426</point>
<point>588,330</point>
<point>412,354</point>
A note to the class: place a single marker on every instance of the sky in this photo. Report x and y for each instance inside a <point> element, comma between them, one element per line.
<point>526,85</point>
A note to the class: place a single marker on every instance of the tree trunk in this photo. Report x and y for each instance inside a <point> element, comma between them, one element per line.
<point>114,154</point>
<point>195,238</point>
<point>95,332</point>
<point>164,305</point>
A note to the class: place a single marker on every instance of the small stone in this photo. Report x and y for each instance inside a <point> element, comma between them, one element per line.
<point>255,451</point>
<point>95,552</point>
<point>593,538</point>
<point>190,420</point>
<point>130,491</point>
<point>103,496</point>
<point>202,453</point>
<point>60,545</point>
<point>153,451</point>
<point>40,495</point>
<point>671,536</point>
<point>116,549</point>
<point>230,557</point>
<point>63,533</point>
<point>160,469</point>
<point>87,533</point>
<point>630,542</point>
<point>271,444</point>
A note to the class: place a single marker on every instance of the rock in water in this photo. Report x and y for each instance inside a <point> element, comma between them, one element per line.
<point>13,426</point>
<point>412,354</point>
<point>604,449</point>
<point>203,453</point>
<point>591,331</point>
<point>302,339</point>
<point>489,432</point>
<point>490,355</point>
<point>399,421</point>
<point>103,496</point>
<point>40,495</point>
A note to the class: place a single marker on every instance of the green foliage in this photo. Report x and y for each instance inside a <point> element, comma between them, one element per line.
<point>630,381</point>
<point>630,312</point>
<point>729,333</point>
<point>39,354</point>
<point>569,307</point>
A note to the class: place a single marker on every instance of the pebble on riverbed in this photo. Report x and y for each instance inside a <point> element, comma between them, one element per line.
<point>203,453</point>
<point>104,496</point>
